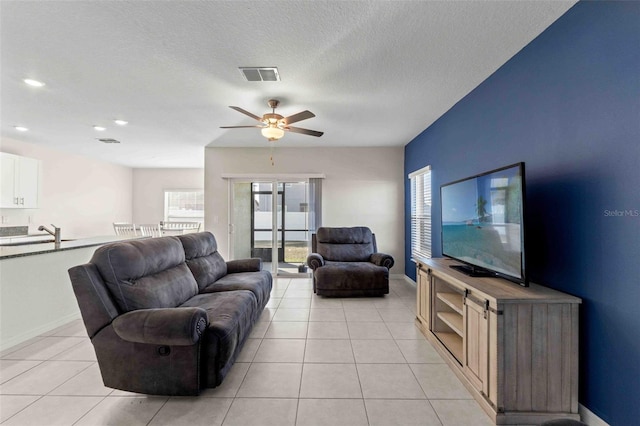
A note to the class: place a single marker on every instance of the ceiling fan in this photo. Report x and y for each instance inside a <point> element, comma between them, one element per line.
<point>274,125</point>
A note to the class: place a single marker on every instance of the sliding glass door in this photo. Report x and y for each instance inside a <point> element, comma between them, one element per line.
<point>273,220</point>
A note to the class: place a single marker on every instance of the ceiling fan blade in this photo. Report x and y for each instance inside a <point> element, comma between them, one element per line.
<point>245,112</point>
<point>304,131</point>
<point>240,127</point>
<point>298,117</point>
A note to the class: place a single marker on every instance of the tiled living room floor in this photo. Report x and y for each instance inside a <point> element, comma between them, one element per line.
<point>309,361</point>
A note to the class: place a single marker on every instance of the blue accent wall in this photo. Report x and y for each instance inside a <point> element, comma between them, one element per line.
<point>568,105</point>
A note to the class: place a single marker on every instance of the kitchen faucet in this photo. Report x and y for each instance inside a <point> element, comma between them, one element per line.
<point>55,233</point>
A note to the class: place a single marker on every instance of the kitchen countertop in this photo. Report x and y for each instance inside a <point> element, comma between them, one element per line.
<point>8,252</point>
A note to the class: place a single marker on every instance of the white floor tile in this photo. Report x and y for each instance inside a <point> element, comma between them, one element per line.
<point>397,315</point>
<point>54,410</point>
<point>439,382</point>
<point>419,352</point>
<point>326,302</point>
<point>192,411</point>
<point>327,315</point>
<point>331,412</point>
<point>377,352</point>
<point>405,412</point>
<point>12,404</point>
<point>295,303</point>
<point>87,382</point>
<point>284,314</point>
<point>12,368</point>
<point>123,410</point>
<point>271,380</point>
<point>329,351</point>
<point>43,378</point>
<point>287,330</point>
<point>404,331</point>
<point>362,315</point>
<point>460,412</point>
<point>330,381</point>
<point>81,352</point>
<point>387,381</point>
<point>327,330</point>
<point>280,350</point>
<point>368,330</point>
<point>262,412</point>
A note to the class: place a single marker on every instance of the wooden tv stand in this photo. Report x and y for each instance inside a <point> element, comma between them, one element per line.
<point>515,348</point>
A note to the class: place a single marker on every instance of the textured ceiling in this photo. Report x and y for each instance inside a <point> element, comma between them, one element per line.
<point>374,73</point>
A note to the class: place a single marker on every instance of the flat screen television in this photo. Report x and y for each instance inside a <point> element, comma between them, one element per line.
<point>483,223</point>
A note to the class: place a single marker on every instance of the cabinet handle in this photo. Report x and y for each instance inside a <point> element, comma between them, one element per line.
<point>16,201</point>
<point>22,201</point>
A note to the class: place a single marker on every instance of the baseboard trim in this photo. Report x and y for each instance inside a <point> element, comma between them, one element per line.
<point>588,417</point>
<point>34,332</point>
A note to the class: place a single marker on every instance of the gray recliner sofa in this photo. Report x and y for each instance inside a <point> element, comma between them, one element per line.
<point>168,316</point>
<point>346,262</point>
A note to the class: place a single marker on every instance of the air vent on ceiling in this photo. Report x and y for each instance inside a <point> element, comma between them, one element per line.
<point>108,140</point>
<point>260,73</point>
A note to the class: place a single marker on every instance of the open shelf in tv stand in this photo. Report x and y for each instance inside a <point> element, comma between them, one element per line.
<point>515,348</point>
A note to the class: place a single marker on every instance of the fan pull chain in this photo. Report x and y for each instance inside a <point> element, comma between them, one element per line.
<point>271,154</point>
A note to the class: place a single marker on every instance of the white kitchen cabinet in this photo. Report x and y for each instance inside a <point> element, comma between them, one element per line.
<point>19,181</point>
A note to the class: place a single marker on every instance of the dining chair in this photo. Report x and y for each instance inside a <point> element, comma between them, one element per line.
<point>150,230</point>
<point>180,227</point>
<point>125,229</point>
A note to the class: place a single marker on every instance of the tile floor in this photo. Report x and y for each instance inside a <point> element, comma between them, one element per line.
<point>309,361</point>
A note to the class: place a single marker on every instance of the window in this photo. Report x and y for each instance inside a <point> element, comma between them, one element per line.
<point>184,205</point>
<point>421,213</point>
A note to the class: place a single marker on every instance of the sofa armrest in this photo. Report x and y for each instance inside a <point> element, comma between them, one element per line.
<point>244,265</point>
<point>165,326</point>
<point>315,260</point>
<point>382,259</point>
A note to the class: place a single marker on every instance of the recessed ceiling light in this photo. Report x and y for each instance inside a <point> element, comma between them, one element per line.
<point>20,128</point>
<point>34,83</point>
<point>121,122</point>
<point>99,128</point>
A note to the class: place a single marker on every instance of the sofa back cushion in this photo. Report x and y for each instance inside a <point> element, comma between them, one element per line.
<point>203,259</point>
<point>345,244</point>
<point>144,274</point>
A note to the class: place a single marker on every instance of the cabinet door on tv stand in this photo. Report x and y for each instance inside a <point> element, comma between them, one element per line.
<point>476,344</point>
<point>424,298</point>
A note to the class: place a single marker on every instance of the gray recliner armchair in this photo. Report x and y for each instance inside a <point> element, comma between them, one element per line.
<point>346,262</point>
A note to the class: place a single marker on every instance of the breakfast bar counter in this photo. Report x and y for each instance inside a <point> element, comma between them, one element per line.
<point>7,252</point>
<point>35,291</point>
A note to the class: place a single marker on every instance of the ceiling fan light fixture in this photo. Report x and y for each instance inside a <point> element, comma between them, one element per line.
<point>272,133</point>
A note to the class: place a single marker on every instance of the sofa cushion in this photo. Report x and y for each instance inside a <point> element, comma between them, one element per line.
<point>203,259</point>
<point>345,244</point>
<point>149,273</point>
<point>231,315</point>
<point>259,283</point>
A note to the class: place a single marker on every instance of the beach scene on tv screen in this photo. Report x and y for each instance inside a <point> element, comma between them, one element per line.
<point>481,221</point>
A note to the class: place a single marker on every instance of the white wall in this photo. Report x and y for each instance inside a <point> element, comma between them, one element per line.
<point>149,186</point>
<point>80,195</point>
<point>363,187</point>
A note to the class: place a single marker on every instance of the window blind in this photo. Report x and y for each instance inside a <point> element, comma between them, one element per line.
<point>421,213</point>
